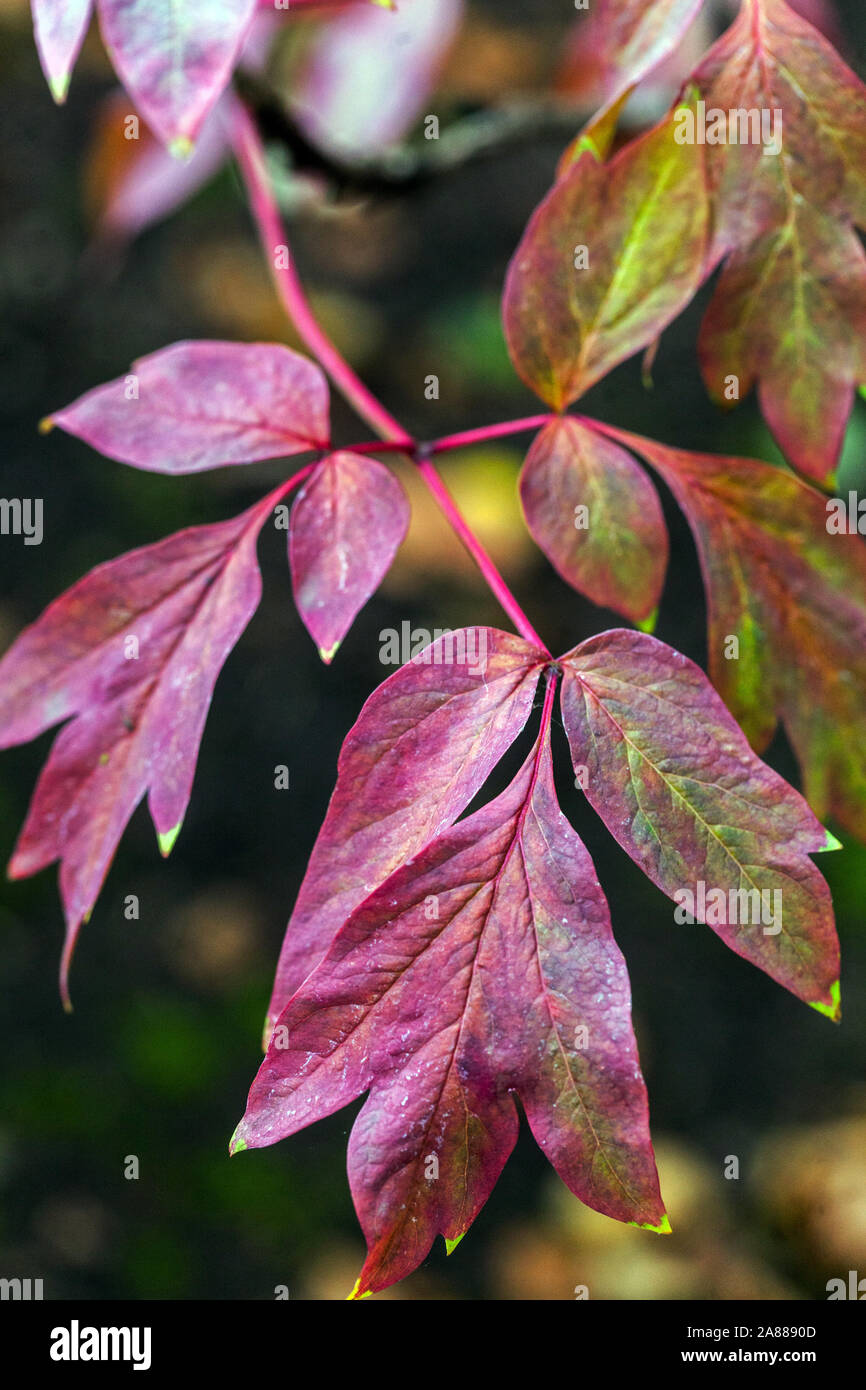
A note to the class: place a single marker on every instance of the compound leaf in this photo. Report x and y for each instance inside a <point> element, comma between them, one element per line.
<point>483,970</point>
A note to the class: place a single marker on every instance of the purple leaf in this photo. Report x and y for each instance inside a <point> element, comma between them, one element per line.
<point>59,27</point>
<point>133,650</point>
<point>347,524</point>
<point>199,405</point>
<point>423,746</point>
<point>483,970</point>
<point>174,59</point>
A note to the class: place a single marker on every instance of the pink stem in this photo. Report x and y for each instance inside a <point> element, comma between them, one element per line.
<point>250,157</point>
<point>485,432</point>
<point>479,554</point>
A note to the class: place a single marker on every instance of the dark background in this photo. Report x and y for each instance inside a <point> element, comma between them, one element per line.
<point>164,1041</point>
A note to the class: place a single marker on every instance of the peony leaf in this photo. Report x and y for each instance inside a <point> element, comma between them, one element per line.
<point>133,651</point>
<point>787,180</point>
<point>612,254</point>
<point>785,574</point>
<point>174,59</point>
<point>596,516</point>
<point>199,405</point>
<point>347,524</point>
<point>59,27</point>
<point>484,969</point>
<point>674,780</point>
<point>423,746</point>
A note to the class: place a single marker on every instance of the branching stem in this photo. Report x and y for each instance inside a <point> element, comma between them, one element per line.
<point>251,161</point>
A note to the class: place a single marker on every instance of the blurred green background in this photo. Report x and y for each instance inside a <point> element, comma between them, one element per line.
<point>164,1041</point>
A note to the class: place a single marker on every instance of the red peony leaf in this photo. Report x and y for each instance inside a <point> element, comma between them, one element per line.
<point>789,310</point>
<point>674,780</point>
<point>597,517</point>
<point>612,254</point>
<point>133,651</point>
<point>347,524</point>
<point>59,27</point>
<point>174,60</point>
<point>423,746</point>
<point>484,969</point>
<point>785,578</point>
<point>201,405</point>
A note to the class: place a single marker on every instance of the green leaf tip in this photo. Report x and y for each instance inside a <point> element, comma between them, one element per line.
<point>46,424</point>
<point>830,842</point>
<point>648,624</point>
<point>181,147</point>
<point>328,653</point>
<point>236,1144</point>
<point>355,1296</point>
<point>59,87</point>
<point>586,145</point>
<point>451,1245</point>
<point>664,1227</point>
<point>167,838</point>
<point>833,1010</point>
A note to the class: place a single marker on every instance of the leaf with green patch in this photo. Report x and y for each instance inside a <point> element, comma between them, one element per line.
<point>673,778</point>
<point>59,27</point>
<point>785,577</point>
<point>596,516</point>
<point>786,162</point>
<point>613,253</point>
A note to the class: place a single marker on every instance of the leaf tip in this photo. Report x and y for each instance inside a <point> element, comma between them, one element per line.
<point>451,1245</point>
<point>648,624</point>
<point>830,842</point>
<point>328,653</point>
<point>59,87</point>
<point>181,147</point>
<point>237,1143</point>
<point>833,1009</point>
<point>663,1228</point>
<point>166,839</point>
<point>46,424</point>
<point>356,1295</point>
